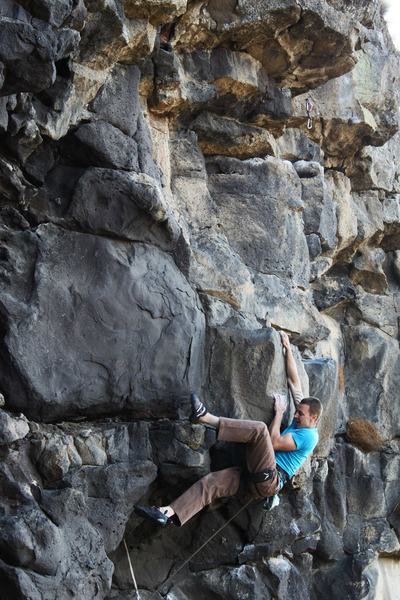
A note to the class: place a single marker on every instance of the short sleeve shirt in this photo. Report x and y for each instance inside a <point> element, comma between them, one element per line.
<point>305,438</point>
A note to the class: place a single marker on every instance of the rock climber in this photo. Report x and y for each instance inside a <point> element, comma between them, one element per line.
<point>272,457</point>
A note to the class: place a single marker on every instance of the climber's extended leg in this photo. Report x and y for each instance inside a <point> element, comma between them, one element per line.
<point>260,460</point>
<point>218,484</point>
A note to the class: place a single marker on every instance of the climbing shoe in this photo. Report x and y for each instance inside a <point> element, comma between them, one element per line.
<point>153,514</point>
<point>199,409</point>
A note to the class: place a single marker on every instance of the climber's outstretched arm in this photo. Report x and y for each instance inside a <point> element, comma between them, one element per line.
<point>291,370</point>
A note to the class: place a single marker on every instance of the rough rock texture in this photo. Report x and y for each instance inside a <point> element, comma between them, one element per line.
<point>178,181</point>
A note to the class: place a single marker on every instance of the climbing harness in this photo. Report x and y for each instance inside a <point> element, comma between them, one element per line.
<point>169,579</point>
<point>309,109</point>
<point>283,476</point>
<point>131,570</point>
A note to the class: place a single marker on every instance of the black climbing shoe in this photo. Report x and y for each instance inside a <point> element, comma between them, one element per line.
<point>198,408</point>
<point>153,514</point>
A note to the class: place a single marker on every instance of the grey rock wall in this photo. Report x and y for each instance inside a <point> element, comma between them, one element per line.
<point>166,206</point>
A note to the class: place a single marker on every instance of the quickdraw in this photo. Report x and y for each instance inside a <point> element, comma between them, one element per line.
<point>309,109</point>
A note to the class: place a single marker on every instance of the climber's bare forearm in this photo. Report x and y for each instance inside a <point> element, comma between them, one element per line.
<point>275,426</point>
<point>291,368</point>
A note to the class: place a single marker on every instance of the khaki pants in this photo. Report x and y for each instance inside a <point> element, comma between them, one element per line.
<point>259,457</point>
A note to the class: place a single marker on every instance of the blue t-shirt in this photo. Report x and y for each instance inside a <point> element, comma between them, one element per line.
<point>305,438</point>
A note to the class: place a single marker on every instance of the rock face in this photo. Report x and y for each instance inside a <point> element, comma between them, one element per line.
<point>179,181</point>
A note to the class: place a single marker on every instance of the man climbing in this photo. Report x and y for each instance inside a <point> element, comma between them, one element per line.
<point>272,457</point>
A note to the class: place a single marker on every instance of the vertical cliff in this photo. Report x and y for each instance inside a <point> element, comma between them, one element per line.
<point>178,181</point>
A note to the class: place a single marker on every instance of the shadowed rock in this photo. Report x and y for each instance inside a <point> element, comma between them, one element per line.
<point>121,307</point>
<point>126,205</point>
<point>100,144</point>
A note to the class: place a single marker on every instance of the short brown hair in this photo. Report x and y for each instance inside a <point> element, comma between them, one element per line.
<point>314,404</point>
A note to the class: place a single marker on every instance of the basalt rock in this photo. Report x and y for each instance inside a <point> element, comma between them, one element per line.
<point>239,191</point>
<point>125,267</point>
<point>346,112</point>
<point>179,181</point>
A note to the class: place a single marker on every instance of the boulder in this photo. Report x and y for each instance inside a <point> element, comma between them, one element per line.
<point>125,205</point>
<point>259,203</point>
<point>216,270</point>
<point>227,137</point>
<point>314,245</point>
<point>210,80</point>
<point>320,266</point>
<point>295,145</point>
<point>353,108</point>
<point>332,293</point>
<point>376,167</point>
<point>246,365</point>
<point>181,451</point>
<point>367,270</point>
<point>89,308</point>
<point>110,37</point>
<point>323,383</point>
<point>319,213</point>
<point>391,218</point>
<point>306,169</point>
<point>100,144</point>
<point>288,308</point>
<point>371,375</point>
<point>339,189</point>
<point>27,69</point>
<point>55,12</point>
<point>55,455</point>
<point>271,34</point>
<point>379,310</point>
<point>190,195</point>
<point>369,213</point>
<point>117,101</point>
<point>12,428</point>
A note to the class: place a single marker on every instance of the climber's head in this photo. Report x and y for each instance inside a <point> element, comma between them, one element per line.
<point>308,412</point>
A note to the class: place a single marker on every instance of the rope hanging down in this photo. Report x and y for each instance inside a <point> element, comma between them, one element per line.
<point>131,570</point>
<point>169,579</point>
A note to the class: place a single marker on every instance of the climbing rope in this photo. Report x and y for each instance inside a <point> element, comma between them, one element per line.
<point>131,570</point>
<point>171,577</point>
<point>309,109</point>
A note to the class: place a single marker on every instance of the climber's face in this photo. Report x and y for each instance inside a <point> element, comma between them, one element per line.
<point>303,417</point>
